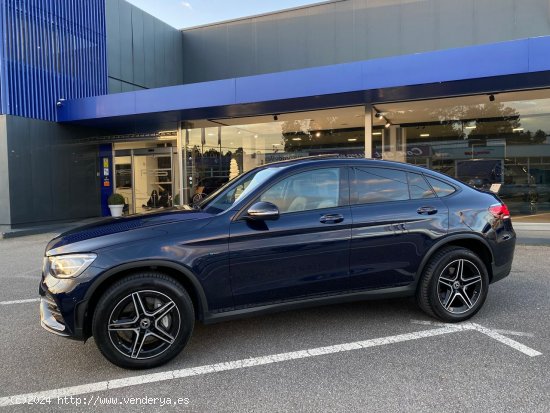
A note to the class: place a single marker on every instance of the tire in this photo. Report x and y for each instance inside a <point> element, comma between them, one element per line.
<point>454,285</point>
<point>143,321</point>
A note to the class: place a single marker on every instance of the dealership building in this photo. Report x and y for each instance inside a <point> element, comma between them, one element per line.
<point>97,96</point>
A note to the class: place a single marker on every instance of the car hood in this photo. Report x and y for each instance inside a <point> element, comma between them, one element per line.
<point>105,229</point>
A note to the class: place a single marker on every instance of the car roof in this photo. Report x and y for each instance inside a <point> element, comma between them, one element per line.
<point>325,160</point>
<point>336,160</point>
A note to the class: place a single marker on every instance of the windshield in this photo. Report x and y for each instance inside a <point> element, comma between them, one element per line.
<point>227,196</point>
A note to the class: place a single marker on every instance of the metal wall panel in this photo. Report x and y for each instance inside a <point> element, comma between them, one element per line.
<point>50,50</point>
<point>112,27</point>
<point>5,218</point>
<point>354,30</point>
<point>50,178</point>
<point>126,42</point>
<point>143,52</point>
<point>453,31</point>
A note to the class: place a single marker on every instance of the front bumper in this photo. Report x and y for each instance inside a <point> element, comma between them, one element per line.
<point>51,318</point>
<point>63,303</point>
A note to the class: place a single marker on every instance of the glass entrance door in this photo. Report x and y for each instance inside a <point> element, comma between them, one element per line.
<point>145,178</point>
<point>153,183</point>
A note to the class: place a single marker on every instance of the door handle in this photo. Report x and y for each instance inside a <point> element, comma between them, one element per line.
<point>331,218</point>
<point>426,210</point>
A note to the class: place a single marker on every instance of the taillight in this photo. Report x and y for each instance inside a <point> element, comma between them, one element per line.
<point>500,211</point>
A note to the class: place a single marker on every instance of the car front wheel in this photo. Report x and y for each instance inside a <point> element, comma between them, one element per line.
<point>454,285</point>
<point>143,321</point>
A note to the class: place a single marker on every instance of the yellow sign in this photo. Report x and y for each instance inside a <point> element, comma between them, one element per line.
<point>105,162</point>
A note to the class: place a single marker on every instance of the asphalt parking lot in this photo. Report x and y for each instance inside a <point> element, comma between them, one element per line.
<point>367,356</point>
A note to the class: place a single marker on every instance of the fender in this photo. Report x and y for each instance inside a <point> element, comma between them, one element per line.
<point>184,271</point>
<point>447,240</point>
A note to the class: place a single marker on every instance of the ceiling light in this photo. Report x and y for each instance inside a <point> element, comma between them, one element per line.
<point>387,125</point>
<point>470,127</point>
<point>424,135</point>
<point>318,134</point>
<point>296,139</point>
<point>352,139</point>
<point>255,136</point>
<point>376,133</point>
<point>210,134</point>
<point>517,130</point>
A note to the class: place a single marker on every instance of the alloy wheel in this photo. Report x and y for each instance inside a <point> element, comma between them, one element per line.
<point>144,324</point>
<point>459,286</point>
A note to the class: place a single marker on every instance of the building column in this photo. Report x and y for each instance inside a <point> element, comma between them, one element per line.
<point>181,166</point>
<point>368,131</point>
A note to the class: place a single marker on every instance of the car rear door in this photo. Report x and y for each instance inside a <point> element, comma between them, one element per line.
<point>397,217</point>
<point>305,252</point>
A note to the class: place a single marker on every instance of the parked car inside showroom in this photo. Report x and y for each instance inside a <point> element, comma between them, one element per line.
<point>305,232</point>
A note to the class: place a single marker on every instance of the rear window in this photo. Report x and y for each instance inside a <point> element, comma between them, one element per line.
<point>419,187</point>
<point>372,185</point>
<point>441,188</point>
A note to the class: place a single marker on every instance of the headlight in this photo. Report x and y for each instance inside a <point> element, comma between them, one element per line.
<point>71,265</point>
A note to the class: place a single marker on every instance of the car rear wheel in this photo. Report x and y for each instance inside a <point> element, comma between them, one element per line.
<point>454,285</point>
<point>143,321</point>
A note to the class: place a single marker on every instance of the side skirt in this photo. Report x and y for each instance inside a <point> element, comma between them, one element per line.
<point>394,292</point>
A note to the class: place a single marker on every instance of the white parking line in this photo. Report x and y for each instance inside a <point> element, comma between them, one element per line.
<point>493,333</point>
<point>29,300</point>
<point>508,341</point>
<point>231,365</point>
<point>505,332</point>
<point>259,361</point>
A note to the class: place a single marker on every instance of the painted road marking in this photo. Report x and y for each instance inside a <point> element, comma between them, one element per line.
<point>505,332</point>
<point>508,341</point>
<point>494,334</point>
<point>258,361</point>
<point>29,300</point>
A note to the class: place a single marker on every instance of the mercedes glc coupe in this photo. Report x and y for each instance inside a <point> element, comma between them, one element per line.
<point>311,231</point>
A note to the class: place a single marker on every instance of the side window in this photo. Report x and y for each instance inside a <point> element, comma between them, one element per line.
<point>379,185</point>
<point>316,189</point>
<point>441,188</point>
<point>418,187</point>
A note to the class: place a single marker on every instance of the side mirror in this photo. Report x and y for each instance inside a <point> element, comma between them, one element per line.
<point>263,211</point>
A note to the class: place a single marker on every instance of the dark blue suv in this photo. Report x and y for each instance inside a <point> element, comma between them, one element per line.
<point>304,232</point>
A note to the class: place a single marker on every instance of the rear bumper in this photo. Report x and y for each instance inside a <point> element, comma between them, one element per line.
<point>501,272</point>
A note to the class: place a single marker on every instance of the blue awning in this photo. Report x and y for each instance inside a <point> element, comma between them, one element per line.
<point>507,65</point>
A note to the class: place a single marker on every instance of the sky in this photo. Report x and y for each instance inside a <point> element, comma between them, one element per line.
<point>189,13</point>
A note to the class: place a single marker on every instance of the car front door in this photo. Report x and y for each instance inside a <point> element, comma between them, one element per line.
<point>305,251</point>
<point>397,217</point>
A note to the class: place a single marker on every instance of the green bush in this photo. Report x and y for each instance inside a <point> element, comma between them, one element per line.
<point>116,199</point>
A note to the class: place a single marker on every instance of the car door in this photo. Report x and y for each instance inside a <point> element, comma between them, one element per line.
<point>397,217</point>
<point>305,251</point>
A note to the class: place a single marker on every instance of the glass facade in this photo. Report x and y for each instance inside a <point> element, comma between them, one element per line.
<point>495,142</point>
<point>217,151</point>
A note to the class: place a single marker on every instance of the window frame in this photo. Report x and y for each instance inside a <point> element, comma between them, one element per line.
<point>343,197</point>
<point>455,187</point>
<point>354,201</point>
<point>427,183</point>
